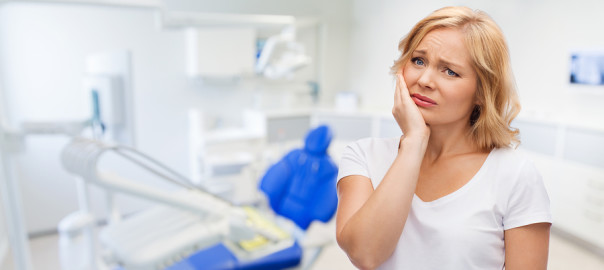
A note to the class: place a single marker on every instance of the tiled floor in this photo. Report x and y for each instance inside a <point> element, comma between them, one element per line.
<point>564,255</point>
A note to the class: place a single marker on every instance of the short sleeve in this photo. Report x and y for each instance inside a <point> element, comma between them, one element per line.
<point>528,201</point>
<point>353,162</point>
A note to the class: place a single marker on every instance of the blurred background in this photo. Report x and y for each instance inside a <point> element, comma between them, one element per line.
<point>221,90</point>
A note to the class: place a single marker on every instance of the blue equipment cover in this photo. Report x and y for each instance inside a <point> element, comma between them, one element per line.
<point>302,185</point>
<point>219,257</point>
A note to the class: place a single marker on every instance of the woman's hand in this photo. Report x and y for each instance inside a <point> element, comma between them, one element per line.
<point>406,113</point>
<point>360,205</point>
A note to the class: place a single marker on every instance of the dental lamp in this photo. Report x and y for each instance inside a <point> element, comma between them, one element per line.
<point>281,55</point>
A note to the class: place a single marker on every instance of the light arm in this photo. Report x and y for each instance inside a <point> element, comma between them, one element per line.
<point>527,247</point>
<point>81,156</point>
<point>369,223</point>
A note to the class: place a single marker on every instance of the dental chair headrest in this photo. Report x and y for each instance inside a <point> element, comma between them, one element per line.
<point>317,140</point>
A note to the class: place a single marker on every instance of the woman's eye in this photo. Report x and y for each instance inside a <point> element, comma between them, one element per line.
<point>451,73</point>
<point>418,61</point>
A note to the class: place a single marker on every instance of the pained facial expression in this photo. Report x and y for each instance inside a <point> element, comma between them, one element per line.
<point>441,79</point>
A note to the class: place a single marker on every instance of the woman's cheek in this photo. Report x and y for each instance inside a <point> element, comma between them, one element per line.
<point>409,75</point>
<point>408,81</point>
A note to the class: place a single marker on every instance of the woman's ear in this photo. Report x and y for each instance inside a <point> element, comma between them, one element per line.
<point>477,101</point>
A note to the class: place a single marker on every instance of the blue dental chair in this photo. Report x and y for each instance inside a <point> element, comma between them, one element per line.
<point>300,187</point>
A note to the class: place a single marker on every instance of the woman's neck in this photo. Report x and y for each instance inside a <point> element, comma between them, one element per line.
<point>448,140</point>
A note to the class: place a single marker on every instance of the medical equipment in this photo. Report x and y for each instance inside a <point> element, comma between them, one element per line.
<point>12,141</point>
<point>161,236</point>
<point>281,55</point>
<point>108,85</point>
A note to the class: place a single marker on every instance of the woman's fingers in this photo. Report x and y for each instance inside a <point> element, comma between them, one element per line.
<point>405,111</point>
<point>397,94</point>
<point>402,85</point>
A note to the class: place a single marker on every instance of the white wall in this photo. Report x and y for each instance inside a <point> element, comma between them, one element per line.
<point>42,52</point>
<point>539,33</point>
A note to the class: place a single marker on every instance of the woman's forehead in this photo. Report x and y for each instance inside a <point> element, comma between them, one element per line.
<point>446,44</point>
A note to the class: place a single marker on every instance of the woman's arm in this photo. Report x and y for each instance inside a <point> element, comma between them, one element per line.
<point>369,223</point>
<point>527,247</point>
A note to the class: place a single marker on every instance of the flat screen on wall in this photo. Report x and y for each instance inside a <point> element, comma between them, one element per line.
<point>587,67</point>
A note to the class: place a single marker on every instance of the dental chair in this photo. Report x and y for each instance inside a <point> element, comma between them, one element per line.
<point>193,229</point>
<point>183,222</point>
<point>300,188</point>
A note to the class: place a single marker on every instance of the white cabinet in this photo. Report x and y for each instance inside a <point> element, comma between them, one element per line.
<point>221,52</point>
<point>577,197</point>
<point>571,162</point>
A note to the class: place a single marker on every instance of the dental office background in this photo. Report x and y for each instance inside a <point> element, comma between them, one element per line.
<point>46,48</point>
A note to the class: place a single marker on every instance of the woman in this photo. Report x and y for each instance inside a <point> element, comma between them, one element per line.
<point>451,193</point>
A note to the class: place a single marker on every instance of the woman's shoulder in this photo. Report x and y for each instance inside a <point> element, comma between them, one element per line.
<point>513,163</point>
<point>509,156</point>
<point>367,157</point>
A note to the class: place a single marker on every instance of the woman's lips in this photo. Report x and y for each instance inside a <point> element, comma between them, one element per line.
<point>423,101</point>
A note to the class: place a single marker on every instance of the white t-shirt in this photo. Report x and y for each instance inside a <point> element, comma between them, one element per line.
<point>464,229</point>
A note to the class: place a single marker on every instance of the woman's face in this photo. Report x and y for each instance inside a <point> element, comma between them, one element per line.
<point>441,79</point>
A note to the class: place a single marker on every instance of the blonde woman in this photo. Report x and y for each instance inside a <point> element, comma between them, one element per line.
<point>452,192</point>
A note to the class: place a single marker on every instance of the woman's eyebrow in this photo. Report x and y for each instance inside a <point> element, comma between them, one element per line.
<point>441,60</point>
<point>450,64</point>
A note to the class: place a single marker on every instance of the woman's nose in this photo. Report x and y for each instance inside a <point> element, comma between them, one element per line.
<point>426,79</point>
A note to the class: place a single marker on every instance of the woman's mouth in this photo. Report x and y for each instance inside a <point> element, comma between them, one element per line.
<point>423,101</point>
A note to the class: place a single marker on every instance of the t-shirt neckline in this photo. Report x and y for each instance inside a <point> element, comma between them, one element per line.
<point>444,199</point>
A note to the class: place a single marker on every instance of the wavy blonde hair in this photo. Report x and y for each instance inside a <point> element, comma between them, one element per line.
<point>496,94</point>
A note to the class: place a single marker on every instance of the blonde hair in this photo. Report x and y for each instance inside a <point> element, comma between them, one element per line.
<point>498,102</point>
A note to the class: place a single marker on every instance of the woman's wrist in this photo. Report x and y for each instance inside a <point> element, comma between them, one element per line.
<point>419,142</point>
